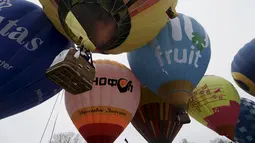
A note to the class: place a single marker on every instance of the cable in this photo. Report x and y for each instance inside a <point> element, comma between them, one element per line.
<point>49,118</point>
<point>55,122</point>
<point>54,126</point>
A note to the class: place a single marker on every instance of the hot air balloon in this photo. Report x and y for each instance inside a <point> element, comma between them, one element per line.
<point>243,68</point>
<point>29,43</point>
<point>156,120</point>
<point>216,104</point>
<point>245,127</point>
<point>175,60</point>
<point>103,113</point>
<point>110,26</point>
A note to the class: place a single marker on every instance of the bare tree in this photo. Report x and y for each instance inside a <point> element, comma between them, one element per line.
<point>68,137</point>
<point>217,140</point>
<point>185,141</point>
<point>220,140</point>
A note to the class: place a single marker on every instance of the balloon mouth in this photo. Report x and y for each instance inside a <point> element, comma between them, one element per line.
<point>177,92</point>
<point>100,132</point>
<point>105,24</point>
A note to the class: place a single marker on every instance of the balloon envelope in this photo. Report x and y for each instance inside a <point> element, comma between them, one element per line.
<point>216,104</point>
<point>29,43</point>
<point>243,68</point>
<point>245,127</point>
<point>112,26</point>
<point>155,119</point>
<point>103,113</point>
<point>175,60</point>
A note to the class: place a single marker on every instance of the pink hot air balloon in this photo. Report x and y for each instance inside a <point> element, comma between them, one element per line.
<point>103,113</point>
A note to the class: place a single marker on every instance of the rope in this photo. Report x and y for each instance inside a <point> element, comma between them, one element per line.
<point>49,117</point>
<point>54,126</point>
<point>55,122</point>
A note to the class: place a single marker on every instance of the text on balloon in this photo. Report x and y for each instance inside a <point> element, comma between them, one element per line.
<point>122,84</point>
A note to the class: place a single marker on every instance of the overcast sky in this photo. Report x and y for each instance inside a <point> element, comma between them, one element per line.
<point>229,23</point>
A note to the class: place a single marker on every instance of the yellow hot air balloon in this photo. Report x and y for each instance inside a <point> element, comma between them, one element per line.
<point>216,104</point>
<point>110,26</point>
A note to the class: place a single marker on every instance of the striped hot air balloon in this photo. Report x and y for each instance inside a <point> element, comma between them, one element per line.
<point>103,113</point>
<point>155,119</point>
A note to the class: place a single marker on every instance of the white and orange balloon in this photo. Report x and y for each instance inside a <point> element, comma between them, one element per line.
<point>103,113</point>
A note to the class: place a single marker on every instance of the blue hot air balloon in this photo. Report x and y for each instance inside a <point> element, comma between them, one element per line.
<point>243,68</point>
<point>245,127</point>
<point>173,63</point>
<point>29,43</point>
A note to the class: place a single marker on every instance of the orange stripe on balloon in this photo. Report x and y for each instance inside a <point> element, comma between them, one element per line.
<point>101,114</point>
<point>101,118</point>
<point>107,110</point>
